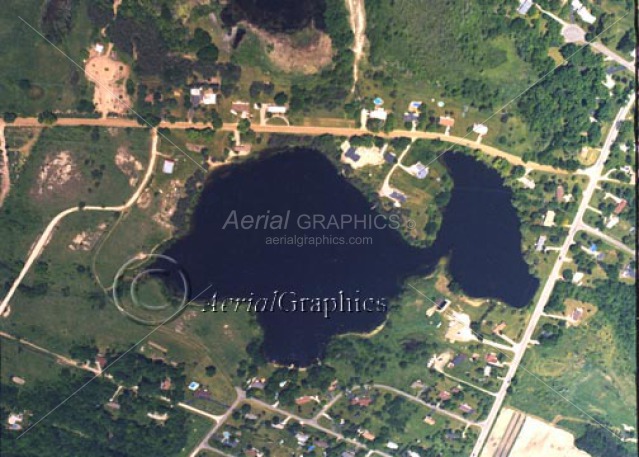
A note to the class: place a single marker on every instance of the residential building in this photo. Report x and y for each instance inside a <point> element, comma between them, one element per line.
<point>480,129</point>
<point>524,6</point>
<point>446,121</point>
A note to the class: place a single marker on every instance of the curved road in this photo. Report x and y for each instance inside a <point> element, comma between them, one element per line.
<point>39,246</point>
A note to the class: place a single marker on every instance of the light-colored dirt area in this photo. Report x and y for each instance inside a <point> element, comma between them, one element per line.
<point>367,156</point>
<point>128,165</point>
<point>306,52</point>
<point>5,182</point>
<point>357,14</point>
<point>540,438</point>
<point>532,439</point>
<point>85,241</point>
<point>55,173</point>
<point>459,328</point>
<point>109,76</point>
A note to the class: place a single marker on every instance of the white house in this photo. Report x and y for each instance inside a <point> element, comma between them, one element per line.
<point>583,12</point>
<point>378,113</point>
<point>276,109</point>
<point>168,166</point>
<point>480,129</point>
<point>210,98</point>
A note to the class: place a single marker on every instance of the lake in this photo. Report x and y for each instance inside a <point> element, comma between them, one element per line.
<point>296,196</point>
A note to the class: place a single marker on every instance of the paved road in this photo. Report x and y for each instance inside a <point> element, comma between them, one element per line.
<point>594,173</point>
<point>572,33</point>
<point>415,399</point>
<point>41,243</point>
<point>303,130</point>
<point>607,238</point>
<point>204,444</point>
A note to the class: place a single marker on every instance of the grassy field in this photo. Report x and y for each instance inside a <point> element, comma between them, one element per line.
<point>65,167</point>
<point>50,80</point>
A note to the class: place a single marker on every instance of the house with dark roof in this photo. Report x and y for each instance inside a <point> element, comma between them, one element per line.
<point>352,154</point>
<point>389,157</point>
<point>411,117</point>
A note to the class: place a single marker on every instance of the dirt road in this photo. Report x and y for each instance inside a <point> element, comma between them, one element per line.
<point>357,18</point>
<point>305,130</point>
<point>41,243</point>
<point>5,178</point>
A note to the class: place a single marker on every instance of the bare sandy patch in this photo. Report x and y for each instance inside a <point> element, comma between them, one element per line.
<point>518,435</point>
<point>306,52</point>
<point>86,240</point>
<point>56,172</point>
<point>109,76</point>
<point>128,165</point>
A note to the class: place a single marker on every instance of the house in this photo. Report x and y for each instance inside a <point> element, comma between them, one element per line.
<point>101,361</point>
<point>303,400</point>
<point>524,6</point>
<point>419,170</point>
<point>549,219</point>
<point>352,154</point>
<point>411,117</point>
<point>257,383</point>
<point>99,48</point>
<point>466,409</point>
<point>480,129</point>
<point>14,421</point>
<point>459,358</point>
<point>412,454</point>
<point>166,384</point>
<point>429,420</point>
<point>321,444</point>
<point>487,370</point>
<point>242,148</point>
<point>302,438</point>
<point>209,97</point>
<point>168,166</point>
<point>378,113</point>
<point>18,380</point>
<point>444,395</point>
<point>203,394</point>
<point>577,314</point>
<point>361,401</point>
<point>333,385</point>
<point>417,385</point>
<point>196,96</point>
<point>492,358</point>
<point>389,157</point>
<point>539,246</point>
<point>559,194</point>
<point>612,221</point>
<point>398,196</point>
<point>368,436</point>
<point>391,445</point>
<point>157,416</point>
<point>499,328</point>
<point>441,303</point>
<point>451,436</point>
<point>628,272</point>
<point>242,109</point>
<point>455,390</point>
<point>251,417</point>
<point>414,106</point>
<point>620,206</point>
<point>114,405</point>
<point>193,386</point>
<point>446,121</point>
<point>583,12</point>
<point>348,454</point>
<point>276,109</point>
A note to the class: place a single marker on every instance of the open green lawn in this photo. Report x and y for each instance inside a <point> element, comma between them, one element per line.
<point>34,75</point>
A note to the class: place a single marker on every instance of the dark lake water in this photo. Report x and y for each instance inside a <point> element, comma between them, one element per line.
<point>480,231</point>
